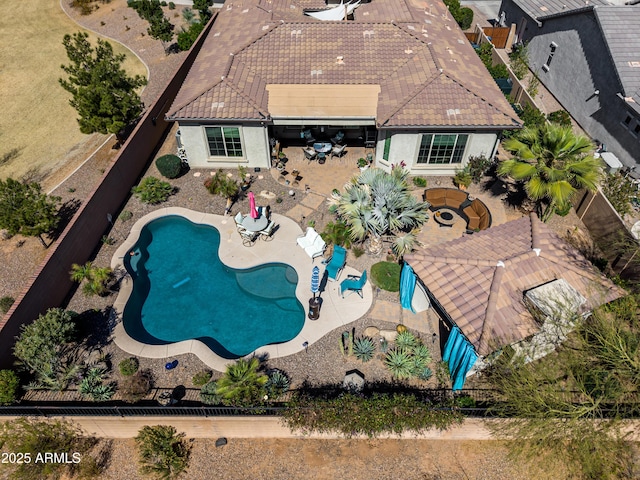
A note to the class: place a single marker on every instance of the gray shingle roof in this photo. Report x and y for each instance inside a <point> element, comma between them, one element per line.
<point>541,9</point>
<point>427,71</point>
<point>480,279</point>
<point>620,27</point>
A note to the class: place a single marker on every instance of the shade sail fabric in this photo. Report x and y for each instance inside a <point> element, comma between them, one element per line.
<point>335,14</point>
<point>461,357</point>
<point>252,203</point>
<point>407,287</point>
<point>315,280</point>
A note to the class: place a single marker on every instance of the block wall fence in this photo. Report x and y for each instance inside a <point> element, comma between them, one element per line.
<point>50,284</point>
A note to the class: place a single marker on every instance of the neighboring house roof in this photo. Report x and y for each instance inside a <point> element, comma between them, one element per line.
<point>480,279</point>
<point>542,9</point>
<point>620,27</point>
<point>426,70</point>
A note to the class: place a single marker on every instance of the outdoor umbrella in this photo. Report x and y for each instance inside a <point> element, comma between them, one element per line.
<point>315,281</point>
<point>252,203</point>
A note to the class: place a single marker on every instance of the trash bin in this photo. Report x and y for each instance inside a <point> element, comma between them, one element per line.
<point>314,308</point>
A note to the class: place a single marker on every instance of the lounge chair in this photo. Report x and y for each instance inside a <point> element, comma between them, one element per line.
<point>338,151</point>
<point>336,263</point>
<point>309,153</point>
<point>312,243</point>
<point>353,283</point>
<point>267,233</point>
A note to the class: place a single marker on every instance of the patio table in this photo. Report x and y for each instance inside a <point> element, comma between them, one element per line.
<point>255,224</point>
<point>322,147</point>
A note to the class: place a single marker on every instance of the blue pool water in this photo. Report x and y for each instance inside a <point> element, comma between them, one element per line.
<point>182,291</point>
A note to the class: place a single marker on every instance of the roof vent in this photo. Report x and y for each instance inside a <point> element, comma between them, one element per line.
<point>316,72</point>
<point>408,51</point>
<point>411,27</point>
<point>537,250</point>
<point>246,10</point>
<point>634,64</point>
<point>340,60</point>
<point>500,264</point>
<point>296,33</point>
<point>367,33</point>
<point>264,27</point>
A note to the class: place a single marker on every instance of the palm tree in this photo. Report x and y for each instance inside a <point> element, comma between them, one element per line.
<point>224,186</point>
<point>96,277</point>
<point>553,162</point>
<point>378,203</point>
<point>242,383</point>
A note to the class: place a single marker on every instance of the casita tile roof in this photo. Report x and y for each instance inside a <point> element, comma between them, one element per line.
<point>480,279</point>
<point>428,73</point>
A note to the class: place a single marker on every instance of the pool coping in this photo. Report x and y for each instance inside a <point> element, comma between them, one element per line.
<point>335,312</point>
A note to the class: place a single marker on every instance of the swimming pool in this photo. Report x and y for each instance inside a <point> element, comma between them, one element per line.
<point>182,291</point>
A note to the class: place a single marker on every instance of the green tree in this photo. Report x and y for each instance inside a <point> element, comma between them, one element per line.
<point>36,437</point>
<point>96,278</point>
<point>24,209</point>
<point>163,452</point>
<point>203,9</point>
<point>553,162</point>
<point>103,94</point>
<point>186,38</point>
<point>224,186</point>
<point>568,405</point>
<point>378,203</point>
<point>43,348</point>
<point>160,29</point>
<point>242,383</point>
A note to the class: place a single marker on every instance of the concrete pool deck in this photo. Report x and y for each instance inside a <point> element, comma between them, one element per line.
<point>335,312</point>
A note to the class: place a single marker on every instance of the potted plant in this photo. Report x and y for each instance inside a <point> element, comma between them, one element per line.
<point>462,178</point>
<point>362,164</point>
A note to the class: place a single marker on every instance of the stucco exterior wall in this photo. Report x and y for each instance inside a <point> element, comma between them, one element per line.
<point>581,65</point>
<point>406,145</point>
<point>254,147</point>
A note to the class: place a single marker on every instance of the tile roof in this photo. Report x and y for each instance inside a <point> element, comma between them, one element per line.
<point>480,279</point>
<point>620,27</point>
<point>427,71</point>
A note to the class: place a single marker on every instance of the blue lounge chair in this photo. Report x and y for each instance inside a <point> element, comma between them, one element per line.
<point>336,263</point>
<point>353,283</point>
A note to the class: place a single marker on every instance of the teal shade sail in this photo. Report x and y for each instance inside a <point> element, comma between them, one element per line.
<point>461,357</point>
<point>407,287</point>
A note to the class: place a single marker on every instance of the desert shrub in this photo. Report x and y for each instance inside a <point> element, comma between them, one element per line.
<point>499,71</point>
<point>209,394</point>
<point>386,275</point>
<point>364,348</point>
<point>355,414</point>
<point>172,6</point>
<point>92,386</point>
<point>125,215</point>
<point>152,191</point>
<point>170,166</point>
<point>465,18</point>
<point>420,182</point>
<point>561,117</point>
<point>618,191</point>
<point>187,37</point>
<point>9,384</point>
<point>201,378</point>
<point>5,304</point>
<point>519,61</point>
<point>277,384</point>
<point>33,437</point>
<point>135,387</point>
<point>399,362</point>
<point>478,166</point>
<point>425,374</point>
<point>128,366</point>
<point>163,3</point>
<point>357,251</point>
<point>163,451</point>
<point>406,339</point>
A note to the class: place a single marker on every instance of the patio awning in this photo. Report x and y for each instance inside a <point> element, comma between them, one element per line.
<point>335,14</point>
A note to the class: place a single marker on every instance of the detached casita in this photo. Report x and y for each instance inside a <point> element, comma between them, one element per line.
<point>398,76</point>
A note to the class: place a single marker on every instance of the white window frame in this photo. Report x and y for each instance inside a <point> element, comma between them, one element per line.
<point>226,155</point>
<point>430,150</point>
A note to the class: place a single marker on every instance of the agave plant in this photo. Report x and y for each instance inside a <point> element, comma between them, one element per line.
<point>92,386</point>
<point>278,383</point>
<point>364,348</point>
<point>406,340</point>
<point>400,362</point>
<point>422,352</point>
<point>425,374</point>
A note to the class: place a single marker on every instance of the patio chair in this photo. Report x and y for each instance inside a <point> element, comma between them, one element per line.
<point>248,238</point>
<point>238,219</point>
<point>338,151</point>
<point>267,233</point>
<point>312,243</point>
<point>337,140</point>
<point>266,211</point>
<point>353,283</point>
<point>336,263</point>
<point>309,153</point>
<point>306,134</point>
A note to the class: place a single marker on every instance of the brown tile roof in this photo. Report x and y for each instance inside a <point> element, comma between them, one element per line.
<point>427,70</point>
<point>480,279</point>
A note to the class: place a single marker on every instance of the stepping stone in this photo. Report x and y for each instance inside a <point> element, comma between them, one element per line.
<point>371,332</point>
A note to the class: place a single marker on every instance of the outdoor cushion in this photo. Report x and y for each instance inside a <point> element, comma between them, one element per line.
<point>455,198</point>
<point>478,215</point>
<point>308,238</point>
<point>445,197</point>
<point>316,248</point>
